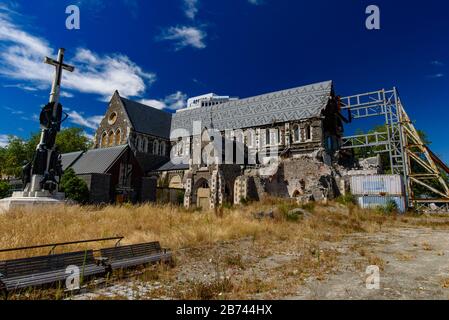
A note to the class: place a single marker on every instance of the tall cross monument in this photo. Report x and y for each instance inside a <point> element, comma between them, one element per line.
<point>46,163</point>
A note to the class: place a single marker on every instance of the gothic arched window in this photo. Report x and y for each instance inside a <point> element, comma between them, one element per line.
<point>308,132</point>
<point>163,148</point>
<point>156,147</point>
<point>118,137</point>
<point>296,134</point>
<point>111,138</point>
<point>104,140</point>
<point>145,145</point>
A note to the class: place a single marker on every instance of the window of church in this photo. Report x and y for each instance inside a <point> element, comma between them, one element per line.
<point>118,137</point>
<point>163,150</point>
<point>308,132</point>
<point>145,145</point>
<point>267,137</point>
<point>112,118</point>
<point>274,137</point>
<point>111,138</point>
<point>296,134</point>
<point>104,140</point>
<point>156,147</point>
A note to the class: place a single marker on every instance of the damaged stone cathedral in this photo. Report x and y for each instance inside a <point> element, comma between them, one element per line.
<point>218,149</point>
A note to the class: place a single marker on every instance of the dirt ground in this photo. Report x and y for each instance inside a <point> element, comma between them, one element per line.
<point>413,263</point>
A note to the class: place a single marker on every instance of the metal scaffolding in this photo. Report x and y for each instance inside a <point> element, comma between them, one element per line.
<point>408,154</point>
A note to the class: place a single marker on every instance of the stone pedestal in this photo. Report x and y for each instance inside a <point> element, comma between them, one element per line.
<point>30,200</point>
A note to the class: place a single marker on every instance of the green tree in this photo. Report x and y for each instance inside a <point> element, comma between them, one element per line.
<point>18,151</point>
<point>75,188</point>
<point>4,189</point>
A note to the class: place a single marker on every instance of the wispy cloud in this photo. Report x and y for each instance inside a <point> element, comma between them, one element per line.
<point>87,122</point>
<point>4,140</point>
<point>191,8</point>
<point>184,36</point>
<point>436,76</point>
<point>256,2</point>
<point>13,111</point>
<point>437,63</point>
<point>22,55</point>
<point>21,86</point>
<point>175,101</point>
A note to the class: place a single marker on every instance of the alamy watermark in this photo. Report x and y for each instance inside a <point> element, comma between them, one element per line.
<point>73,21</point>
<point>373,20</point>
<point>373,279</point>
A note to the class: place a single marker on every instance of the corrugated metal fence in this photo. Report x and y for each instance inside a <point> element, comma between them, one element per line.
<point>379,190</point>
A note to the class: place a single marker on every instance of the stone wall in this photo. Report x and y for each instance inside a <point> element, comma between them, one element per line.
<point>120,124</point>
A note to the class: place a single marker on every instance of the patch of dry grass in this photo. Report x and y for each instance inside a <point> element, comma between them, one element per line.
<point>174,227</point>
<point>177,228</point>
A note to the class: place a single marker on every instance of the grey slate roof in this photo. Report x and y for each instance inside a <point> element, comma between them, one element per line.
<point>68,159</point>
<point>148,120</point>
<point>98,160</point>
<point>286,105</point>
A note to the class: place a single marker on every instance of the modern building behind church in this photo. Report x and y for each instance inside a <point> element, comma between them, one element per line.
<point>302,126</point>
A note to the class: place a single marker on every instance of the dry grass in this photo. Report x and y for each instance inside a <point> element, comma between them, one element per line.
<point>177,228</point>
<point>174,227</point>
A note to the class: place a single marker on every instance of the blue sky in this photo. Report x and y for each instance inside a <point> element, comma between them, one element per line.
<point>163,51</point>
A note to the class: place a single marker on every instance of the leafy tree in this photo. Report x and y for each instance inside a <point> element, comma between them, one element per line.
<point>75,188</point>
<point>4,189</point>
<point>18,151</point>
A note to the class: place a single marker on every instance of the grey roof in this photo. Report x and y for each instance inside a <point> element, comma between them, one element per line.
<point>98,160</point>
<point>169,166</point>
<point>148,120</point>
<point>68,159</point>
<point>286,105</point>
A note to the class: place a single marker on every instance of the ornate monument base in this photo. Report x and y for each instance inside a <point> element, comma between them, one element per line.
<point>30,200</point>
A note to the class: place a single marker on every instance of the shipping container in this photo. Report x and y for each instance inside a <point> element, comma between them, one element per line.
<point>378,185</point>
<point>372,202</point>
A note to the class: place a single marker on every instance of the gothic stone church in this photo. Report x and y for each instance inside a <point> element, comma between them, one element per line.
<point>150,154</point>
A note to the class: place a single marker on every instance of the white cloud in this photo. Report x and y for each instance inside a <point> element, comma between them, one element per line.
<point>437,76</point>
<point>88,136</point>
<point>88,122</point>
<point>22,54</point>
<point>437,63</point>
<point>13,111</point>
<point>173,102</point>
<point>191,8</point>
<point>185,36</point>
<point>256,2</point>
<point>4,140</point>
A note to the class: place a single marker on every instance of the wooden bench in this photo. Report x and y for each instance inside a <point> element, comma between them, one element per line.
<point>46,270</point>
<point>134,255</point>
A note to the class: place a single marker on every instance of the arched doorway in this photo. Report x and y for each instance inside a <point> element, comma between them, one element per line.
<point>201,193</point>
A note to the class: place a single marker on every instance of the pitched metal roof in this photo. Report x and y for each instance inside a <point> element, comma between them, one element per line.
<point>282,106</point>
<point>148,120</point>
<point>98,160</point>
<point>68,159</point>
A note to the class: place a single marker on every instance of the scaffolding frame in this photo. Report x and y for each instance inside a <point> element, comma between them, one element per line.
<point>402,142</point>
